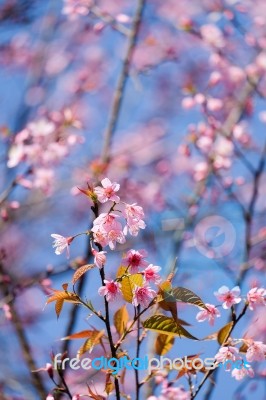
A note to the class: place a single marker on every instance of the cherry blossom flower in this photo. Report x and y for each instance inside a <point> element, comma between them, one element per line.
<point>74,8</point>
<point>174,393</point>
<point>170,392</point>
<point>61,243</point>
<point>256,351</point>
<point>50,397</point>
<point>229,297</point>
<point>107,230</point>
<point>107,192</point>
<point>143,296</point>
<point>227,353</point>
<point>114,236</point>
<point>150,274</point>
<point>240,373</point>
<point>99,258</point>
<point>209,315</point>
<point>99,235</point>
<point>41,127</point>
<point>111,290</point>
<point>134,216</point>
<point>7,311</point>
<point>135,259</point>
<point>256,296</point>
<point>48,368</point>
<point>212,35</point>
<point>200,171</point>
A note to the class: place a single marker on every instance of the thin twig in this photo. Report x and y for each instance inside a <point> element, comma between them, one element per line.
<point>24,343</point>
<point>121,84</point>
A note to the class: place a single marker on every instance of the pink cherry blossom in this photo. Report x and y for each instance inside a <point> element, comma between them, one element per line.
<point>256,351</point>
<point>227,353</point>
<point>200,171</point>
<point>41,127</point>
<point>170,392</point>
<point>50,397</point>
<point>256,296</point>
<point>107,192</point>
<point>240,373</point>
<point>228,297</point>
<point>143,296</point>
<point>111,290</point>
<point>99,258</point>
<point>107,230</point>
<point>99,235</point>
<point>214,104</point>
<point>113,236</point>
<point>61,243</point>
<point>150,274</point>
<point>7,311</point>
<point>209,315</point>
<point>188,102</point>
<point>212,35</point>
<point>74,8</point>
<point>134,215</point>
<point>135,259</point>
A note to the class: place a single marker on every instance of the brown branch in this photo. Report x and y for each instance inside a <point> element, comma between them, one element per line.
<point>36,378</point>
<point>108,19</point>
<point>121,84</point>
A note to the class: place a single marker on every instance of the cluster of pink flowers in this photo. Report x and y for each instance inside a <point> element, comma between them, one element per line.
<point>41,145</point>
<point>241,373</point>
<point>256,351</point>
<point>107,228</point>
<point>170,392</point>
<point>228,356</point>
<point>255,297</point>
<point>142,295</point>
<point>227,353</point>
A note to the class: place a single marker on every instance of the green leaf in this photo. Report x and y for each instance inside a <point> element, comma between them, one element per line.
<point>184,295</point>
<point>166,325</point>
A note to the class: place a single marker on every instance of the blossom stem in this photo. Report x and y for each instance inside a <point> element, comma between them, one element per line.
<point>137,312</point>
<point>128,330</point>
